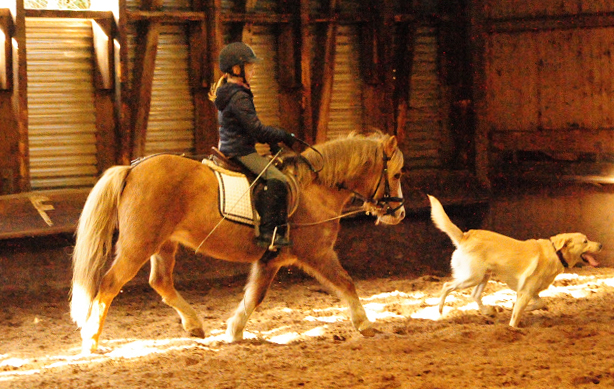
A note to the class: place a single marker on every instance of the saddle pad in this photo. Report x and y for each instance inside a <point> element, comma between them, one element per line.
<point>235,200</point>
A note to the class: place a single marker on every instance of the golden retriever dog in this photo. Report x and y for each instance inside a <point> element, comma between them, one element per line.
<point>527,267</point>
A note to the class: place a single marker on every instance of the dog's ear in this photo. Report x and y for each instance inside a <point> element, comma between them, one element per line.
<point>559,242</point>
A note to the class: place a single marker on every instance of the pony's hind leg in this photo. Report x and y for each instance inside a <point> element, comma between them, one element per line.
<point>262,274</point>
<point>161,279</point>
<point>329,272</point>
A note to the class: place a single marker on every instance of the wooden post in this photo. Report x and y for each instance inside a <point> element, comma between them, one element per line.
<point>288,71</point>
<point>477,45</point>
<point>20,97</point>
<point>6,48</point>
<point>306,42</point>
<point>325,92</point>
<point>204,39</point>
<point>104,83</point>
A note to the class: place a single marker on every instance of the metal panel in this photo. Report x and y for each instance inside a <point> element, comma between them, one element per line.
<point>264,84</point>
<point>424,123</point>
<point>346,108</point>
<point>170,127</point>
<point>61,112</point>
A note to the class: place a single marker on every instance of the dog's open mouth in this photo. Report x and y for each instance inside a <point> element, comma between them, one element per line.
<point>589,259</point>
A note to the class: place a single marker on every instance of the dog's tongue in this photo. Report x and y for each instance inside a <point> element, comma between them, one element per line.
<point>590,259</point>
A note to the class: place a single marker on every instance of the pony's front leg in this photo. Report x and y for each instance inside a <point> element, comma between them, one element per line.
<point>329,272</point>
<point>260,279</point>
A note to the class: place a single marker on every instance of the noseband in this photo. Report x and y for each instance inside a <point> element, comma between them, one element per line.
<point>382,203</point>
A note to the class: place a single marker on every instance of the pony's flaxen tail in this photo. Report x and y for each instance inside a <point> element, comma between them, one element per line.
<point>443,222</point>
<point>94,241</point>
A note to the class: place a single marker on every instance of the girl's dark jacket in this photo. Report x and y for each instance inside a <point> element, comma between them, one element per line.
<point>240,127</point>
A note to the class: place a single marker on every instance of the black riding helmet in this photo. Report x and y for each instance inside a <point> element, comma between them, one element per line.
<point>237,53</point>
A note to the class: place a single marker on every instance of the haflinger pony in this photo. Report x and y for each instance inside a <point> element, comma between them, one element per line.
<point>168,200</point>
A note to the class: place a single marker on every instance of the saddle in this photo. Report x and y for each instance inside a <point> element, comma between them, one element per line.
<point>237,191</point>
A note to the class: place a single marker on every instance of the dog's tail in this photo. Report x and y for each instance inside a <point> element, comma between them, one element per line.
<point>443,222</point>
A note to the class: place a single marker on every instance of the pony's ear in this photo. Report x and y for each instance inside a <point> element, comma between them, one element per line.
<point>391,145</point>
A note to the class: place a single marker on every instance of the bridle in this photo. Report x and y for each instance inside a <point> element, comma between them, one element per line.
<point>383,203</point>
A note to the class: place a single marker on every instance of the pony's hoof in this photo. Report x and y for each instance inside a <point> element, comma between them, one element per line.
<point>231,338</point>
<point>197,333</point>
<point>370,332</point>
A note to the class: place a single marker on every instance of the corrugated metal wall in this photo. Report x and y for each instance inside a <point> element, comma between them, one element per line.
<point>61,113</point>
<point>424,118</point>
<point>170,126</point>
<point>171,117</point>
<point>346,107</point>
<point>264,84</point>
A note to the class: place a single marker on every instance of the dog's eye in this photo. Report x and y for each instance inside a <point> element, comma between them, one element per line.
<point>585,240</point>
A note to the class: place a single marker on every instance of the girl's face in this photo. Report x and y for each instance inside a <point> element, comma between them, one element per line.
<point>250,70</point>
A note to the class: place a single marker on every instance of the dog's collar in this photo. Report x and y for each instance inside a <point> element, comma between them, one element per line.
<point>560,255</point>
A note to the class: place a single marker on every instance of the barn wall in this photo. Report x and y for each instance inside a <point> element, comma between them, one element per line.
<point>412,249</point>
<point>548,81</point>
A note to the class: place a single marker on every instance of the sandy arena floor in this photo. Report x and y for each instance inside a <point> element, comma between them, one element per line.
<point>301,338</point>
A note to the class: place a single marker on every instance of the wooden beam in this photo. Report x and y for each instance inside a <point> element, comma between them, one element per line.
<point>144,66</point>
<point>306,43</point>
<point>403,67</point>
<point>477,48</point>
<point>103,53</point>
<point>41,212</point>
<point>20,96</point>
<point>256,18</point>
<point>166,16</point>
<point>67,14</point>
<point>325,92</point>
<point>544,23</point>
<point>203,36</point>
<point>124,95</point>
<point>6,50</point>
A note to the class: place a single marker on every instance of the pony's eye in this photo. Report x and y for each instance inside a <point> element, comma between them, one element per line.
<point>397,176</point>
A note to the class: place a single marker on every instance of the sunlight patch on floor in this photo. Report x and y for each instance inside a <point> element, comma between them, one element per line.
<point>123,349</point>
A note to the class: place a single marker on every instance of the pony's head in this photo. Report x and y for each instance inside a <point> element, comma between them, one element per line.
<point>387,200</point>
<point>369,166</point>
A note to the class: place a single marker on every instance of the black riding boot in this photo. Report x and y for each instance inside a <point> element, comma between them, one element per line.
<point>272,205</point>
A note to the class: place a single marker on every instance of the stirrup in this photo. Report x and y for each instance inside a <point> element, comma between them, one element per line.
<point>275,242</point>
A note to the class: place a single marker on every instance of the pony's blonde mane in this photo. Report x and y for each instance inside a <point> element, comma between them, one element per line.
<point>345,159</point>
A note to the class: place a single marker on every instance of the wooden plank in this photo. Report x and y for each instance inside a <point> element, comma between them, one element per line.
<point>41,212</point>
